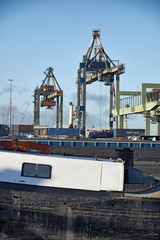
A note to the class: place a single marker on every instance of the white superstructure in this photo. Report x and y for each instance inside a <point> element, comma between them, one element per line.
<point>61,171</point>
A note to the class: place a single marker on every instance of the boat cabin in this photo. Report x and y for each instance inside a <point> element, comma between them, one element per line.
<point>62,171</point>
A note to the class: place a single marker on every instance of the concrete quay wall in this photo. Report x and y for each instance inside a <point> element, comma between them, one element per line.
<point>141,155</point>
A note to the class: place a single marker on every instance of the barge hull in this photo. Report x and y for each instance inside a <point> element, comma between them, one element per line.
<point>42,213</point>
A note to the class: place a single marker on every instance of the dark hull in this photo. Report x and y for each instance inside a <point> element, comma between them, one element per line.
<point>29,212</point>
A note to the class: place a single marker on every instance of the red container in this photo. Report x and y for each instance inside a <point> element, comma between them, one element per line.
<point>24,146</point>
<point>25,128</point>
<point>48,103</point>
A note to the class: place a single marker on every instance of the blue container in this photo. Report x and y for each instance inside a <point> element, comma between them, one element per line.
<point>81,80</point>
<point>81,108</point>
<point>81,131</point>
<point>104,134</point>
<point>51,131</point>
<point>82,65</point>
<point>63,131</point>
<point>128,132</point>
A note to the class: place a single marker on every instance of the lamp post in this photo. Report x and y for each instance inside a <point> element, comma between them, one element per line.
<point>10,108</point>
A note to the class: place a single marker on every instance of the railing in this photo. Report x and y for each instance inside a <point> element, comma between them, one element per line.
<point>100,144</point>
<point>130,101</point>
<point>136,100</point>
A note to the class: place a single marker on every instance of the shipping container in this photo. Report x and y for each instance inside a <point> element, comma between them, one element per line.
<point>101,134</point>
<point>24,128</point>
<point>48,103</point>
<point>81,108</point>
<point>51,131</point>
<point>63,131</point>
<point>128,132</point>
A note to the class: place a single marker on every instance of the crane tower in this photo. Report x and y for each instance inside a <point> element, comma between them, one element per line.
<point>52,95</point>
<point>96,66</point>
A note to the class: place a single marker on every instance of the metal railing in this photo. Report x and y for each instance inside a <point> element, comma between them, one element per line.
<point>130,101</point>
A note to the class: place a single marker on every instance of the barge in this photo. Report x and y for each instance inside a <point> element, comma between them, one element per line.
<point>64,197</point>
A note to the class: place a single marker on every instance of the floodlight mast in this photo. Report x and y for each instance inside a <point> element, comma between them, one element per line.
<point>96,66</point>
<point>10,108</point>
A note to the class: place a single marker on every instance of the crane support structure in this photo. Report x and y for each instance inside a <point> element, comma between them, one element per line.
<point>96,66</point>
<point>52,95</point>
<point>143,102</point>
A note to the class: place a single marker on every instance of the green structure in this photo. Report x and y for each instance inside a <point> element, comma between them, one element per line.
<point>137,102</point>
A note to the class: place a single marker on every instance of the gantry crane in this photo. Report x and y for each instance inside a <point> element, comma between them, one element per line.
<point>96,66</point>
<point>136,102</point>
<point>52,95</point>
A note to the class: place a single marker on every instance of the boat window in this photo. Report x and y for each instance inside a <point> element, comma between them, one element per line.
<point>43,171</point>
<point>29,169</point>
<point>36,170</point>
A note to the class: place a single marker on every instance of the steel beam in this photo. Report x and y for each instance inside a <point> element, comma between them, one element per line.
<point>117,90</point>
<point>36,107</point>
<point>111,107</point>
<point>78,99</point>
<point>61,111</point>
<point>120,122</point>
<point>147,123</point>
<point>84,96</point>
<point>107,72</point>
<point>158,128</point>
<point>57,119</point>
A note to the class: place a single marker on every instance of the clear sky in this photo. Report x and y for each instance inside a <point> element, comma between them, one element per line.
<point>37,34</point>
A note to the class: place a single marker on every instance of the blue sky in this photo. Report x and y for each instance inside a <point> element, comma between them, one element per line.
<point>36,34</point>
